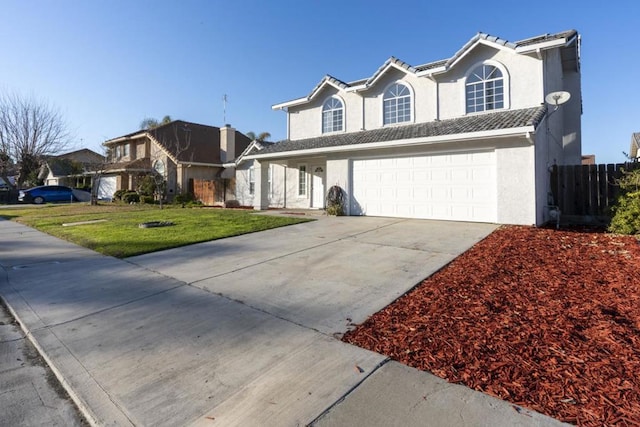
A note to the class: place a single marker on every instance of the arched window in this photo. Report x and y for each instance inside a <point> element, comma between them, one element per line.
<point>158,166</point>
<point>332,115</point>
<point>396,104</point>
<point>485,89</point>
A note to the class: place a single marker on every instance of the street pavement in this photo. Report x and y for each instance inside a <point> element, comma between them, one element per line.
<point>242,331</point>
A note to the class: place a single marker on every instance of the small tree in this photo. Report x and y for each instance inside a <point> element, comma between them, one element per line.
<point>336,201</point>
<point>176,144</point>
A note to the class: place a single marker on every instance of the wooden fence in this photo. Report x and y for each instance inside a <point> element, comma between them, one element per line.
<point>203,190</point>
<point>587,190</point>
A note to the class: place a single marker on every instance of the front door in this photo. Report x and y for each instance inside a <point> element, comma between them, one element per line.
<point>317,187</point>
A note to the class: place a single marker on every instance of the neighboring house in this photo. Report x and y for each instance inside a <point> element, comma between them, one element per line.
<point>74,169</point>
<point>588,159</point>
<point>634,151</point>
<point>467,138</point>
<point>179,151</point>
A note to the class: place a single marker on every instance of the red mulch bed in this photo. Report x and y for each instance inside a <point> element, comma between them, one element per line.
<point>545,319</point>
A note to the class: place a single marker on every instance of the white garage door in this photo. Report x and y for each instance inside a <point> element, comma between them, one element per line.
<point>106,187</point>
<point>459,186</point>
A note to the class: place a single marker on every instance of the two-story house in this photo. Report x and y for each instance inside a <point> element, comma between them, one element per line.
<point>467,138</point>
<point>178,151</point>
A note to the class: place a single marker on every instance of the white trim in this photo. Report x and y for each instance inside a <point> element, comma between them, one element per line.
<point>252,180</point>
<point>470,136</point>
<point>544,45</point>
<point>291,103</point>
<point>344,116</point>
<point>412,103</point>
<point>473,46</point>
<point>506,80</point>
<point>125,138</point>
<point>322,85</point>
<point>306,182</point>
<point>384,71</point>
<point>213,165</point>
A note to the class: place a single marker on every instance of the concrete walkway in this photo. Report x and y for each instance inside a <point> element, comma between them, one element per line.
<point>241,331</point>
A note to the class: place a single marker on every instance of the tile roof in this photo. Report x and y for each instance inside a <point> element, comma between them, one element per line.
<point>462,125</point>
<point>190,142</point>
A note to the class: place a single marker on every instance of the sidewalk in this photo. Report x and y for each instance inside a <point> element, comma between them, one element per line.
<point>135,346</point>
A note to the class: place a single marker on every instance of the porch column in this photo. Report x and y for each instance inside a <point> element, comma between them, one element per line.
<point>261,189</point>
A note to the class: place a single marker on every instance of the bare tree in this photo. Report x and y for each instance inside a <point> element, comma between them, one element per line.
<point>176,142</point>
<point>30,129</point>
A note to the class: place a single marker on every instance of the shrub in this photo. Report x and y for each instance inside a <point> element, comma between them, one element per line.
<point>335,201</point>
<point>183,198</point>
<point>626,212</point>
<point>131,197</point>
<point>147,200</point>
<point>118,194</point>
<point>147,186</point>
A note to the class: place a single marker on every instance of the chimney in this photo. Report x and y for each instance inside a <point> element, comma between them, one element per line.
<point>227,143</point>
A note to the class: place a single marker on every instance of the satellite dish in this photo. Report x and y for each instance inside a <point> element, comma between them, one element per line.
<point>557,98</point>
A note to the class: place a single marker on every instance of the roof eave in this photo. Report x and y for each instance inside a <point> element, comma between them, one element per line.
<point>125,138</point>
<point>546,45</point>
<point>523,131</point>
<point>291,103</point>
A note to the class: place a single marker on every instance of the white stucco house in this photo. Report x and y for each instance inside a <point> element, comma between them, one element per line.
<point>467,138</point>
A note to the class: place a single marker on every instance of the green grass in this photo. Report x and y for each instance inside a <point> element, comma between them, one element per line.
<point>120,236</point>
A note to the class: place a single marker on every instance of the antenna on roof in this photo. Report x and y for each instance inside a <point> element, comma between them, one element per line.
<point>224,108</point>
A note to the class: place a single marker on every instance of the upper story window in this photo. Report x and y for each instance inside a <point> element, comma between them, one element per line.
<point>332,115</point>
<point>397,104</point>
<point>485,89</point>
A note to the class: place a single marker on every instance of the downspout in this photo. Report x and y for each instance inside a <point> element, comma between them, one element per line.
<point>286,110</point>
<point>362,126</point>
<point>437,98</point>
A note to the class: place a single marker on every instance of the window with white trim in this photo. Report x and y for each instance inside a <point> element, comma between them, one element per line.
<point>270,180</point>
<point>302,180</point>
<point>485,89</point>
<point>332,115</point>
<point>396,104</point>
<point>125,150</point>
<point>252,181</point>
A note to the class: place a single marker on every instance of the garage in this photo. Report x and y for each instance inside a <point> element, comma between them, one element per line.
<point>106,187</point>
<point>450,186</point>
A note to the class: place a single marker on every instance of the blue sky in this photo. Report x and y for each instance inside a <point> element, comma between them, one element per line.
<point>109,64</point>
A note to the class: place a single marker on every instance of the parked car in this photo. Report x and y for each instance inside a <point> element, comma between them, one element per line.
<point>47,193</point>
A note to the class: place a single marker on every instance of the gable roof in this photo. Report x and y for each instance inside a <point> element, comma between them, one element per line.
<point>186,142</point>
<point>83,155</point>
<point>544,41</point>
<point>467,126</point>
<point>635,145</point>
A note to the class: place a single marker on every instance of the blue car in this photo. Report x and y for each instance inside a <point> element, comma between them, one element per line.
<point>47,193</point>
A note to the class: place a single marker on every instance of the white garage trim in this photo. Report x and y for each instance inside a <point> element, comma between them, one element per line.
<point>457,186</point>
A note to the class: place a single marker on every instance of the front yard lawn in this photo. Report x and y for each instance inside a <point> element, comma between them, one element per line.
<point>120,236</point>
<point>545,319</point>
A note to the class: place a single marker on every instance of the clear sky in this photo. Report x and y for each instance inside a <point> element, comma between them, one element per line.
<point>108,64</point>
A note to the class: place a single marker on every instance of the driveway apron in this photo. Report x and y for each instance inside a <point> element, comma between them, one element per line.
<point>239,331</point>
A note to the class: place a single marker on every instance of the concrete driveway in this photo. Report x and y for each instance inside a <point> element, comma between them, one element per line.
<point>240,331</point>
<point>323,275</point>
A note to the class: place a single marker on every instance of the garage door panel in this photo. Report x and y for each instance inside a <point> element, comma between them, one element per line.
<point>458,186</point>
